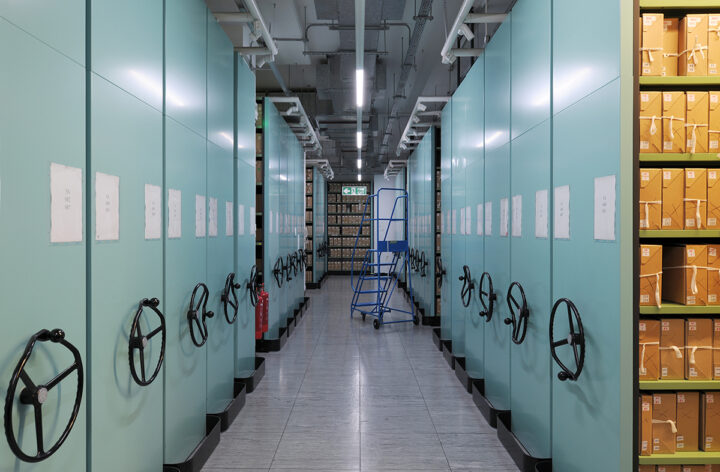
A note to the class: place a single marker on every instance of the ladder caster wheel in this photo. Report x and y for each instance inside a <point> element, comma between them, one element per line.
<point>416,320</point>
<point>363,316</point>
<point>376,324</point>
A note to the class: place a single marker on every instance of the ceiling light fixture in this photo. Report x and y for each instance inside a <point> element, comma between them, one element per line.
<point>359,163</point>
<point>359,140</point>
<point>359,177</point>
<point>359,87</point>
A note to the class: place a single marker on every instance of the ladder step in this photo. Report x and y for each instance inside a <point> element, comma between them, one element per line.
<point>372,291</point>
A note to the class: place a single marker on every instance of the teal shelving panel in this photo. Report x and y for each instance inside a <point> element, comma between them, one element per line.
<point>447,296</point>
<point>42,121</point>
<point>319,224</point>
<point>458,228</point>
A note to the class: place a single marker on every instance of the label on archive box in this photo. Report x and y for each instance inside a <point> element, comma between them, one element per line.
<point>604,228</point>
<point>253,225</point>
<point>107,207</point>
<point>479,229</point>
<point>153,215</point>
<point>174,213</point>
<point>541,214</point>
<point>241,219</point>
<point>200,216</point>
<point>517,216</point>
<point>504,217</point>
<point>561,226</point>
<point>488,218</point>
<point>213,217</point>
<point>229,222</point>
<point>66,205</point>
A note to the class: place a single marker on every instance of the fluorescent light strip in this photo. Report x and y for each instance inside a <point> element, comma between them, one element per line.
<point>359,87</point>
<point>359,140</point>
<point>359,177</point>
<point>359,163</point>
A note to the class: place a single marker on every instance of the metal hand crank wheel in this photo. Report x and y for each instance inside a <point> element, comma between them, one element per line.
<point>519,313</point>
<point>138,342</point>
<point>487,297</point>
<point>576,340</point>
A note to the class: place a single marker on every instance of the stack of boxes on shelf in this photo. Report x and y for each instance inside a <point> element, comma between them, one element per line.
<point>345,214</point>
<point>259,179</point>
<point>679,468</point>
<point>309,224</point>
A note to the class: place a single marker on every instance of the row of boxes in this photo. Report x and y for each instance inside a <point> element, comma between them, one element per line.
<point>679,198</point>
<point>679,468</point>
<point>677,349</point>
<point>683,421</point>
<point>679,122</point>
<point>688,274</point>
<point>336,266</point>
<point>351,219</point>
<point>308,201</point>
<point>680,46</point>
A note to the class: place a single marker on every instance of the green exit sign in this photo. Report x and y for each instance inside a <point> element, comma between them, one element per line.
<point>354,190</point>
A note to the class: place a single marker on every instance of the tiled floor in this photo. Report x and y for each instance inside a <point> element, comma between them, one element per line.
<point>342,396</point>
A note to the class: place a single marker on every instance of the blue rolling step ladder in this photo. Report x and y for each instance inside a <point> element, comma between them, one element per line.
<point>376,282</point>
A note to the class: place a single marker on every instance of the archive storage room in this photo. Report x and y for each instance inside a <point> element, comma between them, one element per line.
<point>360,235</point>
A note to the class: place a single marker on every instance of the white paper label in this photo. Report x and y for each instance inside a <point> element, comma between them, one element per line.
<point>479,229</point>
<point>107,207</point>
<point>488,218</point>
<point>213,217</point>
<point>229,222</point>
<point>153,215</point>
<point>541,214</point>
<point>605,208</point>
<point>468,222</point>
<point>66,205</point>
<point>517,216</point>
<point>454,221</point>
<point>277,222</point>
<point>561,226</point>
<point>241,220</point>
<point>200,216</point>
<point>504,217</point>
<point>462,220</point>
<point>174,213</point>
<point>253,225</point>
<point>270,222</point>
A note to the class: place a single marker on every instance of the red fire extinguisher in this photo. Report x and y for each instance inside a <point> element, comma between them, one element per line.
<point>259,314</point>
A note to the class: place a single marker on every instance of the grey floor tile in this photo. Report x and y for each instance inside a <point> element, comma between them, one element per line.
<point>476,451</point>
<point>244,450</point>
<point>402,451</point>
<point>396,419</point>
<point>334,451</point>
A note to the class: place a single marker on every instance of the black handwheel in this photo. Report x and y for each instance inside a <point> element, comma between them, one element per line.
<point>519,313</point>
<point>279,272</point>
<point>576,340</point>
<point>138,342</point>
<point>229,298</point>
<point>487,297</point>
<point>37,394</point>
<point>439,271</point>
<point>467,287</point>
<point>376,324</point>
<point>422,264</point>
<point>252,285</point>
<point>199,320</point>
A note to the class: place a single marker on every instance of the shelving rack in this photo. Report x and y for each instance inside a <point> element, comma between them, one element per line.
<point>437,224</point>
<point>344,214</point>
<point>259,194</point>
<point>677,8</point>
<point>309,227</point>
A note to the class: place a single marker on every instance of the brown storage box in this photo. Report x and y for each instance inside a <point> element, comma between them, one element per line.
<point>650,198</point>
<point>710,421</point>
<point>713,52</point>
<point>652,44</point>
<point>696,198</point>
<point>698,468</point>
<point>669,468</point>
<point>670,46</point>
<point>651,122</point>
<point>674,110</point>
<point>696,121</point>
<point>685,274</point>
<point>713,199</point>
<point>649,352</point>
<point>645,425</point>
<point>716,349</point>
<point>672,343</point>
<point>259,144</point>
<point>651,277</point>
<point>688,421</point>
<point>713,274</point>
<point>664,423</point>
<point>673,207</point>
<point>692,44</point>
<point>698,349</point>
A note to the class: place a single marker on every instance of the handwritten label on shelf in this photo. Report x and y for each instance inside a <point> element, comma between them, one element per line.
<point>107,207</point>
<point>468,222</point>
<point>213,217</point>
<point>200,216</point>
<point>517,216</point>
<point>66,204</point>
<point>174,213</point>
<point>153,215</point>
<point>488,218</point>
<point>604,225</point>
<point>479,229</point>
<point>504,217</point>
<point>561,226</point>
<point>229,222</point>
<point>541,214</point>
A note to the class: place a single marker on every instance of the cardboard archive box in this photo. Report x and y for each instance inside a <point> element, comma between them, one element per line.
<point>651,276</point>
<point>652,44</point>
<point>700,468</point>
<point>688,422</point>
<point>649,352</point>
<point>713,199</point>
<point>696,121</point>
<point>669,468</point>
<point>645,424</point>
<point>650,198</point>
<point>651,122</point>
<point>713,274</point>
<point>713,52</point>
<point>673,195</point>
<point>674,110</point>
<point>710,421</point>
<point>664,423</point>
<point>716,349</point>
<point>685,274</point>
<point>692,45</point>
<point>699,349</point>
<point>696,188</point>
<point>670,46</point>
<point>714,121</point>
<point>672,344</point>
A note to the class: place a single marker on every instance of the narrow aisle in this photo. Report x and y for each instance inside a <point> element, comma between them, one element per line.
<point>344,396</point>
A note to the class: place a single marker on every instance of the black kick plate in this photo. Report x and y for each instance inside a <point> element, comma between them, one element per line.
<point>249,383</point>
<point>228,415</point>
<point>486,408</point>
<point>461,374</point>
<point>201,454</point>
<point>430,320</point>
<point>522,458</point>
<point>448,354</point>
<point>436,338</point>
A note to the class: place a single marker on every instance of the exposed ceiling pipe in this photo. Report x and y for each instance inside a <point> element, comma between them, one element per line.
<point>447,56</point>
<point>343,52</point>
<point>414,122</point>
<point>459,27</point>
<point>254,18</point>
<point>485,17</point>
<point>386,25</point>
<point>300,131</point>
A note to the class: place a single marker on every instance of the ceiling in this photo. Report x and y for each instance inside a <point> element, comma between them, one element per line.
<point>316,62</point>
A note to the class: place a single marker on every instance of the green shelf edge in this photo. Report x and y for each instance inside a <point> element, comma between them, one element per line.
<point>679,4</point>
<point>659,80</point>
<point>679,157</point>
<point>677,309</point>
<point>680,233</point>
<point>682,458</point>
<point>680,385</point>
